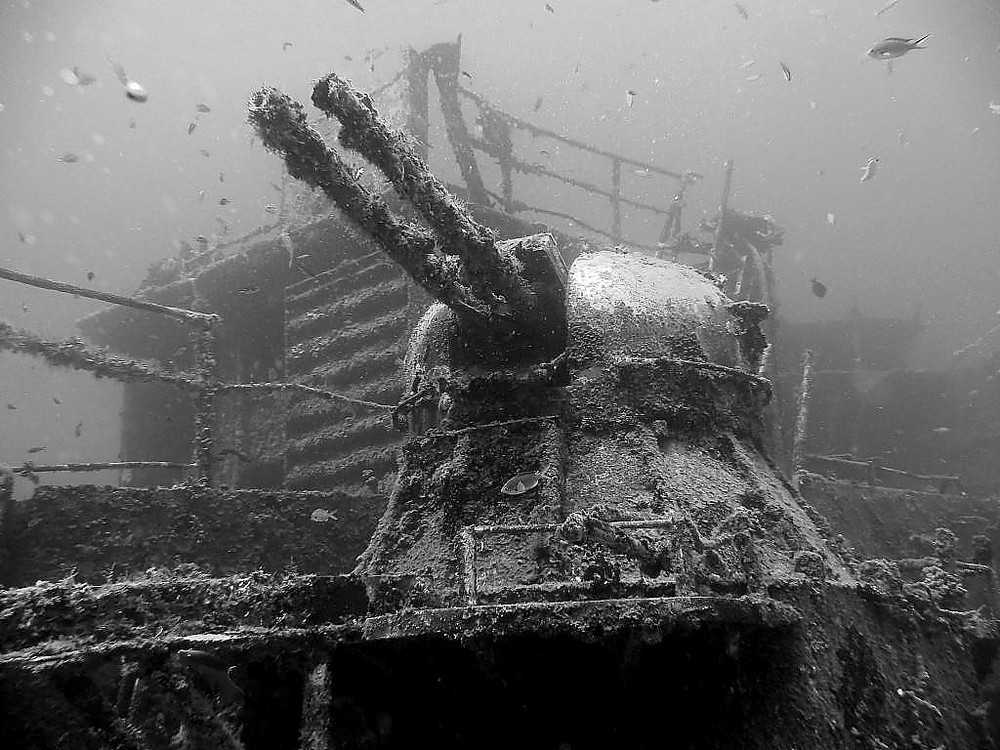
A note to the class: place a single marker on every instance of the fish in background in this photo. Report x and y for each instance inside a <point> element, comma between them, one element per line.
<point>895,46</point>
<point>818,288</point>
<point>785,71</point>
<point>213,671</point>
<point>869,169</point>
<point>133,89</point>
<point>83,79</point>
<point>886,8</point>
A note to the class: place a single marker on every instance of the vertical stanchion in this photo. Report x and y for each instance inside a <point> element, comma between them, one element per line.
<point>616,200</point>
<point>802,418</point>
<point>204,416</point>
<point>723,207</point>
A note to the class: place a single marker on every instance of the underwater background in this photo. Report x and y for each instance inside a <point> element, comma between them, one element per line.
<point>92,182</point>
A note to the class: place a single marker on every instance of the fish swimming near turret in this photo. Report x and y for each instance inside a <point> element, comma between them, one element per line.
<point>895,46</point>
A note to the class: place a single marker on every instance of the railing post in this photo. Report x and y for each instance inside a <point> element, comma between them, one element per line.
<point>802,418</point>
<point>467,543</point>
<point>204,405</point>
<point>723,207</point>
<point>616,199</point>
<point>446,66</point>
<point>506,168</point>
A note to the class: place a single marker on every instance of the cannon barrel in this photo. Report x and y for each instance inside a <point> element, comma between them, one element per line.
<point>458,261</point>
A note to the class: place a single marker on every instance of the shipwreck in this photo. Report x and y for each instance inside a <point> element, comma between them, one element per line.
<point>413,467</point>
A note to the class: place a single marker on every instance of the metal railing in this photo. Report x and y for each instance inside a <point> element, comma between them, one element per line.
<point>496,141</point>
<point>203,382</point>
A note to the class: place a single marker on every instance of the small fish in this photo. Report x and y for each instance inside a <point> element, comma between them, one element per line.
<point>885,8</point>
<point>24,307</point>
<point>132,125</point>
<point>748,64</point>
<point>248,291</point>
<point>549,8</point>
<point>869,169</point>
<point>222,177</point>
<point>69,158</point>
<point>355,4</point>
<point>467,74</point>
<point>819,13</point>
<point>90,275</point>
<point>83,79</point>
<point>322,515</point>
<point>754,77</point>
<point>538,104</point>
<point>629,98</point>
<point>275,186</point>
<point>192,126</point>
<point>271,208</point>
<point>895,46</point>
<point>56,400</point>
<point>37,448</point>
<point>831,220</point>
<point>285,46</point>
<point>201,240</point>
<point>994,108</point>
<point>213,670</point>
<point>22,236</point>
<point>941,430</point>
<point>203,108</point>
<point>12,407</point>
<point>640,172</point>
<point>135,92</point>
<point>358,173</point>
<point>813,106</point>
<point>818,288</point>
<point>785,71</point>
<point>201,195</point>
<point>133,89</point>
<point>224,201</point>
<point>521,483</point>
<point>901,137</point>
<point>204,152</point>
<point>742,11</point>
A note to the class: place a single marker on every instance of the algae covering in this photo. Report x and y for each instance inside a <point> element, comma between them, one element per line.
<point>586,545</point>
<point>289,662</point>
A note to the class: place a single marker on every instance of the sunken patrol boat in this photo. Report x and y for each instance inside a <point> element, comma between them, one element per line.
<point>587,542</point>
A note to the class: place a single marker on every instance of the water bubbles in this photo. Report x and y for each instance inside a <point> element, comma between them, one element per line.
<point>27,36</point>
<point>49,36</point>
<point>48,91</point>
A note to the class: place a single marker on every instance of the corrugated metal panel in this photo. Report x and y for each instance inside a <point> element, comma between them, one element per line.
<point>345,331</point>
